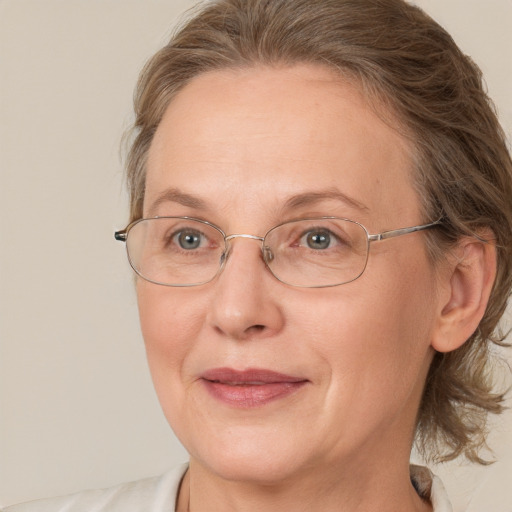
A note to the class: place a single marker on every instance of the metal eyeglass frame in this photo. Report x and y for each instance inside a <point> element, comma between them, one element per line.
<point>122,236</point>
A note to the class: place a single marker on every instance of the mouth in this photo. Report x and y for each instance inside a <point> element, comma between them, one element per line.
<point>250,388</point>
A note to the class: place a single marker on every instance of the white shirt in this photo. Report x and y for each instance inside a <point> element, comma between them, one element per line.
<point>159,494</point>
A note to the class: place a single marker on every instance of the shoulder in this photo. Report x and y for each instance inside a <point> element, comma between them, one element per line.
<point>430,487</point>
<point>157,494</point>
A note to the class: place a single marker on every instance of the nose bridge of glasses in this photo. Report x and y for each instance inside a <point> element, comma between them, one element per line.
<point>251,237</point>
<point>229,238</point>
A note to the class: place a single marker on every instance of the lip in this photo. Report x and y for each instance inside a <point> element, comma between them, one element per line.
<point>250,388</point>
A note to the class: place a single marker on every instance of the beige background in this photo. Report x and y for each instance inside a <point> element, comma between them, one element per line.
<point>76,402</point>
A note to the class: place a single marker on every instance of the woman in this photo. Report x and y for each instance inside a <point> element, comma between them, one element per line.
<point>323,258</point>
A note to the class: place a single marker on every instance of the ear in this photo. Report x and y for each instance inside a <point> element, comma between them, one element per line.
<point>465,287</point>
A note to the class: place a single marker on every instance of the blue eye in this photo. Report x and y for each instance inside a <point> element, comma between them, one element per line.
<point>189,240</point>
<point>318,239</point>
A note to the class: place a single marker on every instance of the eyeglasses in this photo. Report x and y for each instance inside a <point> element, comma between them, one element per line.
<point>309,253</point>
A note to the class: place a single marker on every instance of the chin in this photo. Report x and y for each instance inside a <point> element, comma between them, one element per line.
<point>261,468</point>
<point>249,455</point>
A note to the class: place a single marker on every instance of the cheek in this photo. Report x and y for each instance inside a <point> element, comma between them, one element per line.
<point>401,328</point>
<point>375,338</point>
<point>168,326</point>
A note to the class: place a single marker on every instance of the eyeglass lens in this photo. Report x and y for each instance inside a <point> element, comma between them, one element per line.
<point>177,251</point>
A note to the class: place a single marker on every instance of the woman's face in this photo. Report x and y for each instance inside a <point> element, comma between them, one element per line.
<point>262,381</point>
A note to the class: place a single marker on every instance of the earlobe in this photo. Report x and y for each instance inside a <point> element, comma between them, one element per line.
<point>465,290</point>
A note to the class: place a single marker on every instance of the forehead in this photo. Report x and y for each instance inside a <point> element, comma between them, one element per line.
<point>251,137</point>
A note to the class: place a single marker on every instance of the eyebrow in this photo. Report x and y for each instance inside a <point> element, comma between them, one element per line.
<point>174,195</point>
<point>312,198</point>
<point>297,201</point>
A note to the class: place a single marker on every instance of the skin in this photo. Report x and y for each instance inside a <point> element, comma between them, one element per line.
<point>243,142</point>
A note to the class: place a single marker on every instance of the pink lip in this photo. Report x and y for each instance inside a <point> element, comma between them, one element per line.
<point>249,388</point>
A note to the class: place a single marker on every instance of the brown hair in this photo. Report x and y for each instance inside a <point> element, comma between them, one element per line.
<point>404,60</point>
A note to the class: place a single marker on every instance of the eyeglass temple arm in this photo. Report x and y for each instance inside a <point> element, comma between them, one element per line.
<point>403,231</point>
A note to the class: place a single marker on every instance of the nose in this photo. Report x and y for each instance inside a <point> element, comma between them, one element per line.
<point>246,303</point>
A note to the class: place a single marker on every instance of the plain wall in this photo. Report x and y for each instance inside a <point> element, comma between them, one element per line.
<point>76,400</point>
